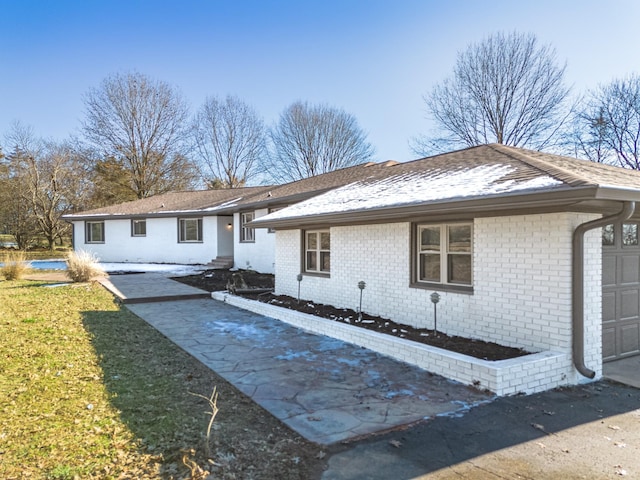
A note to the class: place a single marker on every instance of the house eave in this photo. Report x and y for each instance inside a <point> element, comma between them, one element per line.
<point>583,199</point>
<point>129,216</point>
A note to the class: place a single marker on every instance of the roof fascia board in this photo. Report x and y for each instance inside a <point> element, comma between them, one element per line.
<point>129,216</point>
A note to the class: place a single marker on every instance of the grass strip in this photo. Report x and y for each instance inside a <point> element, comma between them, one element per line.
<point>89,390</point>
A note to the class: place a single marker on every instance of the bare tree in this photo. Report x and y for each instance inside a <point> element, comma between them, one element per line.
<point>16,210</point>
<point>140,123</point>
<point>43,181</point>
<point>55,188</point>
<point>230,141</point>
<point>608,126</point>
<point>584,136</point>
<point>312,139</point>
<point>506,89</point>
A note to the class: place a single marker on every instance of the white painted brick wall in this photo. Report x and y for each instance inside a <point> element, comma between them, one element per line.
<point>522,282</point>
<point>258,255</point>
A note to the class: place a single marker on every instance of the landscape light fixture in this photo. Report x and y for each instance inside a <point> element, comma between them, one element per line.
<point>299,279</point>
<point>361,286</point>
<point>435,298</point>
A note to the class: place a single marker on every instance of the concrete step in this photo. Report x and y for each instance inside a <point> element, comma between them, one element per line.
<point>221,263</point>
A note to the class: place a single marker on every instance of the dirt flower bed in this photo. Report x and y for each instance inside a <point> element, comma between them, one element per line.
<point>216,280</point>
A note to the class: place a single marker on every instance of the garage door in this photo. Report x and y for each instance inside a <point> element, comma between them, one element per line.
<point>620,291</point>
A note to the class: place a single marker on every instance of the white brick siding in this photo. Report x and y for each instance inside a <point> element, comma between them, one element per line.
<point>522,283</point>
<point>257,255</point>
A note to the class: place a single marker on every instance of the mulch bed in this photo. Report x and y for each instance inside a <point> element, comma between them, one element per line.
<point>216,280</point>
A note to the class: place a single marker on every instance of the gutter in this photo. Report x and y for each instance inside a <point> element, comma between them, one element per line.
<point>577,277</point>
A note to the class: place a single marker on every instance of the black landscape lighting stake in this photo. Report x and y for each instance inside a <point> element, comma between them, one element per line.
<point>361,286</point>
<point>435,298</point>
<point>299,279</point>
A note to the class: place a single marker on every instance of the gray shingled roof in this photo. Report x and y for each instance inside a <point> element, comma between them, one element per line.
<point>486,172</point>
<point>227,201</point>
<point>308,187</point>
<point>168,204</point>
<point>488,176</point>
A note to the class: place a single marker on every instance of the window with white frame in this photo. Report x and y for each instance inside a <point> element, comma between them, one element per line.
<point>94,232</point>
<point>445,254</point>
<point>247,234</point>
<point>189,230</point>
<point>138,227</point>
<point>317,249</point>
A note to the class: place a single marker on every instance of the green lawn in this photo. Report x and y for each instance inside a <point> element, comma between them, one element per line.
<point>76,389</point>
<point>89,390</point>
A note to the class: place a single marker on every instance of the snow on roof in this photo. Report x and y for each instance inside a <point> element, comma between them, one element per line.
<point>416,187</point>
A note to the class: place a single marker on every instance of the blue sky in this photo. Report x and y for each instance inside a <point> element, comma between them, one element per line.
<point>375,59</point>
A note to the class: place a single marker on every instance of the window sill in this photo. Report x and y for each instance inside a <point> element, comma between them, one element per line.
<point>247,241</point>
<point>94,243</point>
<point>317,274</point>
<point>442,287</point>
<point>190,241</point>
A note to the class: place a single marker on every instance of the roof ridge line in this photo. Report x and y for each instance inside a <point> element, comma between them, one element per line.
<point>545,166</point>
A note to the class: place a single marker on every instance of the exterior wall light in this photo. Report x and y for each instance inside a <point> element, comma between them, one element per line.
<point>229,226</point>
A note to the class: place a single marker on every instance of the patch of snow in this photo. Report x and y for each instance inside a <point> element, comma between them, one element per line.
<point>349,362</point>
<point>239,330</point>
<point>168,268</point>
<point>462,408</point>
<point>406,393</point>
<point>228,203</point>
<point>291,355</point>
<point>414,188</point>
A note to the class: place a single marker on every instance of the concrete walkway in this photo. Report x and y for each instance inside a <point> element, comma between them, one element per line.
<point>150,287</point>
<point>326,390</point>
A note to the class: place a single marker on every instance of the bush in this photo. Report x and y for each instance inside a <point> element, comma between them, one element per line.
<point>83,266</point>
<point>15,265</point>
